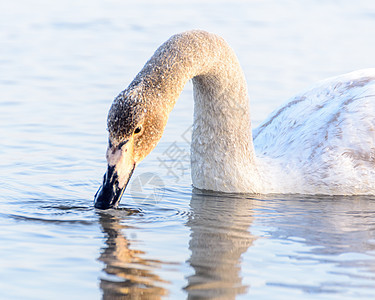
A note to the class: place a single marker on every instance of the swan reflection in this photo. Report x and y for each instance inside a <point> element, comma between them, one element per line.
<point>135,278</point>
<point>219,236</point>
<point>336,224</point>
<point>328,242</point>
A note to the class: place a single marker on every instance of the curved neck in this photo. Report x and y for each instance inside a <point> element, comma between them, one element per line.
<point>222,148</point>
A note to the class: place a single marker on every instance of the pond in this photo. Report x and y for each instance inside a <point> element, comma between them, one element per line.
<point>62,64</point>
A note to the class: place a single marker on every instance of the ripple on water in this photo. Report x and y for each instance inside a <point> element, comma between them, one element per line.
<point>57,211</point>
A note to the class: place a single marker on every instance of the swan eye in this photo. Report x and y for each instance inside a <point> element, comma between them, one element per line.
<point>138,130</point>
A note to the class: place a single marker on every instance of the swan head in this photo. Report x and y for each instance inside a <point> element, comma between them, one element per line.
<point>135,127</point>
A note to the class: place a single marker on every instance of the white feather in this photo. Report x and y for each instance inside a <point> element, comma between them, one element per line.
<point>323,140</point>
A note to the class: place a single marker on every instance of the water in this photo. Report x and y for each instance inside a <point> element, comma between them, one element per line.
<point>61,66</point>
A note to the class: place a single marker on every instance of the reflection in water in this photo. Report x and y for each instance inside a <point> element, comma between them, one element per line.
<point>293,244</point>
<point>219,236</point>
<point>134,278</point>
<point>337,224</point>
<point>329,242</point>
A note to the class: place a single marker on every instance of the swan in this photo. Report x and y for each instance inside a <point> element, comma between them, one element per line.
<point>322,141</point>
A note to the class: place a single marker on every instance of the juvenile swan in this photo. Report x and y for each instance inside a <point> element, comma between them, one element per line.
<point>320,142</point>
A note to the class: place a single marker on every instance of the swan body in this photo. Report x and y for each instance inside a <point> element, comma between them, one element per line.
<point>320,142</point>
<point>323,140</point>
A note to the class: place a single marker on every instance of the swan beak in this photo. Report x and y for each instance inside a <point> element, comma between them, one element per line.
<point>120,168</point>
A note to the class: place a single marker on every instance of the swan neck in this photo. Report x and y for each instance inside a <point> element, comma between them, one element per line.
<point>222,140</point>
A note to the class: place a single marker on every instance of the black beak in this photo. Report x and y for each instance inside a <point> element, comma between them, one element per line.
<point>109,194</point>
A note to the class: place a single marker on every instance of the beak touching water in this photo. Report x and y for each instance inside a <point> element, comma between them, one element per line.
<point>121,165</point>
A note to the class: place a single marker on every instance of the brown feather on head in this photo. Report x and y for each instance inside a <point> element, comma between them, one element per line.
<point>126,113</point>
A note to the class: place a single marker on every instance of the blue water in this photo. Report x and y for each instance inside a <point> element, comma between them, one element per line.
<point>61,66</point>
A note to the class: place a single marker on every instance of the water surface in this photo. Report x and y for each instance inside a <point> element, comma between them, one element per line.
<point>61,66</point>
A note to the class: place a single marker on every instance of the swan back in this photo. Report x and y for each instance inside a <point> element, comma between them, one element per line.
<point>324,139</point>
